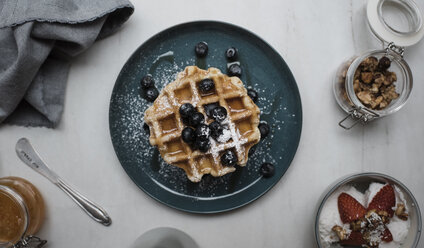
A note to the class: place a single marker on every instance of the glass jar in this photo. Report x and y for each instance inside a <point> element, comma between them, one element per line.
<point>21,213</point>
<point>367,99</point>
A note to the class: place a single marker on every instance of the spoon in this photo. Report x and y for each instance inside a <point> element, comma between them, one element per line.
<point>30,157</point>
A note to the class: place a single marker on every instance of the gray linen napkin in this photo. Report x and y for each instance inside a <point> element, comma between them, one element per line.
<point>37,40</point>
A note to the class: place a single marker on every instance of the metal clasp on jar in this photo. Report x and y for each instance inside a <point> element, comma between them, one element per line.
<point>358,115</point>
<point>396,49</point>
<point>30,242</point>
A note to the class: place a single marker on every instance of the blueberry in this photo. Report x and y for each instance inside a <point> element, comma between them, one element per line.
<point>231,54</point>
<point>209,107</point>
<point>147,81</point>
<point>252,150</point>
<point>188,135</point>
<point>146,128</point>
<point>186,110</point>
<point>186,121</point>
<point>203,132</point>
<point>203,145</point>
<point>234,70</point>
<point>216,129</point>
<point>151,94</point>
<point>264,129</point>
<point>219,114</point>
<point>201,49</point>
<point>229,158</point>
<point>252,94</point>
<point>196,119</point>
<point>384,64</point>
<point>267,170</point>
<point>206,85</point>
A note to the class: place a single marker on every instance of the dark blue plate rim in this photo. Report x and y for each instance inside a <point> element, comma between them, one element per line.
<point>274,180</point>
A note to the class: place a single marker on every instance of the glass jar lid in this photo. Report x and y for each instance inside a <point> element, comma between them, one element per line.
<point>396,21</point>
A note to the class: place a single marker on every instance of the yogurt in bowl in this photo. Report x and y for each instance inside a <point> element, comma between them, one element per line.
<point>368,210</point>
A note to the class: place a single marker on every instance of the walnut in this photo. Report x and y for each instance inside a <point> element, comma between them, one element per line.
<point>341,233</point>
<point>357,225</point>
<point>374,84</point>
<point>384,215</point>
<point>369,64</point>
<point>365,97</point>
<point>366,77</point>
<point>390,77</point>
<point>401,212</point>
<point>379,78</point>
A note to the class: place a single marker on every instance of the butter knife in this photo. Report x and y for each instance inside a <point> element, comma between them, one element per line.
<point>30,157</point>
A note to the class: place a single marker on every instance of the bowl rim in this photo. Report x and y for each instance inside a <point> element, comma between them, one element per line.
<point>346,179</point>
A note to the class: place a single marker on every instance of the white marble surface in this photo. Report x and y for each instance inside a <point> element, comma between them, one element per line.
<point>314,37</point>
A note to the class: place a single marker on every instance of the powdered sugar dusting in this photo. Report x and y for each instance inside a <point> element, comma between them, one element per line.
<point>141,157</point>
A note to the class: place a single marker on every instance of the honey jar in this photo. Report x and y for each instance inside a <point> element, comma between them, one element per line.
<point>22,213</point>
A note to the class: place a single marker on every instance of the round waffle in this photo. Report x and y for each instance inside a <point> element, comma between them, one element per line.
<point>165,123</point>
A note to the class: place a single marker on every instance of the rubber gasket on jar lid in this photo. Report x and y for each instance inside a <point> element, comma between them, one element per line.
<point>386,33</point>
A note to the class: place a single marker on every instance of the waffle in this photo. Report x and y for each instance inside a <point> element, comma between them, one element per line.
<point>165,124</point>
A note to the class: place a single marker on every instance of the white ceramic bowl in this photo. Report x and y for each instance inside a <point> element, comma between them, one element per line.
<point>164,237</point>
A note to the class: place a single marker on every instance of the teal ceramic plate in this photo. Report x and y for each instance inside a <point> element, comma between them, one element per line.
<point>169,52</point>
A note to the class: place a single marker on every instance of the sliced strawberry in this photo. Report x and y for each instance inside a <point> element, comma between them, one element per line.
<point>384,200</point>
<point>387,236</point>
<point>355,239</point>
<point>349,208</point>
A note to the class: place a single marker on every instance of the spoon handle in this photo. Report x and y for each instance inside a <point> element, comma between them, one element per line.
<point>30,157</point>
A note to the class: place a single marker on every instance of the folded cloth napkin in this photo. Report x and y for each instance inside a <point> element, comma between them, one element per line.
<point>37,40</point>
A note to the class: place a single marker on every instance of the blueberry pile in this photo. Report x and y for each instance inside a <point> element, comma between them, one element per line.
<point>197,133</point>
<point>150,93</point>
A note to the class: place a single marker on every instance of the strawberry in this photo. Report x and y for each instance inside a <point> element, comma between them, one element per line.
<point>349,208</point>
<point>355,239</point>
<point>387,236</point>
<point>384,200</point>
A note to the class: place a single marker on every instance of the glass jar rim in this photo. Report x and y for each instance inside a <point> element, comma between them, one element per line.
<point>349,178</point>
<point>18,198</point>
<point>350,79</point>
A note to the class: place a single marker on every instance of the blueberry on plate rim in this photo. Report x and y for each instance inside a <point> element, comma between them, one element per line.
<point>231,53</point>
<point>151,94</point>
<point>206,85</point>
<point>201,49</point>
<point>234,70</point>
<point>267,170</point>
<point>264,129</point>
<point>147,81</point>
<point>252,94</point>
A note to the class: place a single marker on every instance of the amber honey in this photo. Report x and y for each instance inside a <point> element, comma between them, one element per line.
<point>21,209</point>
